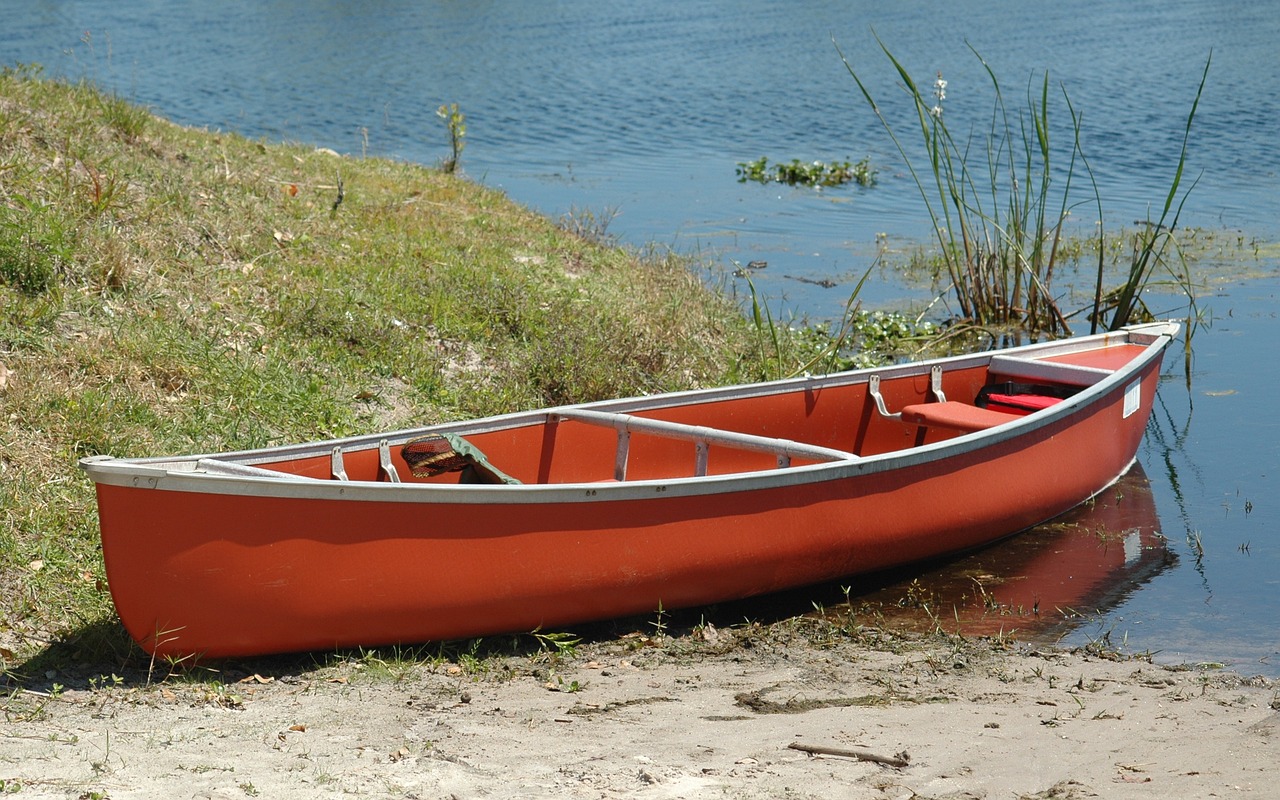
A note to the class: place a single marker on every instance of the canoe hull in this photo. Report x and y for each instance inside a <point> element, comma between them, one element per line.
<point>200,572</point>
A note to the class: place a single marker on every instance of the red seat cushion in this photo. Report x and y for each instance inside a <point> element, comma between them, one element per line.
<point>955,415</point>
<point>1020,404</point>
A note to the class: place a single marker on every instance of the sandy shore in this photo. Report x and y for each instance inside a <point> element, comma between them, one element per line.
<point>711,714</point>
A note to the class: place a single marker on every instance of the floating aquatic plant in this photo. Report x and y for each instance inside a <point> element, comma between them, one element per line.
<point>814,173</point>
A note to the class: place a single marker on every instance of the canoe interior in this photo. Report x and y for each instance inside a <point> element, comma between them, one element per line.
<point>546,450</point>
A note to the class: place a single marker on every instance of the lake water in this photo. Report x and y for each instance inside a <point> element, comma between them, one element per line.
<point>646,108</point>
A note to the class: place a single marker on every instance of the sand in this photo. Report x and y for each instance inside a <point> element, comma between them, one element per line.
<point>710,714</point>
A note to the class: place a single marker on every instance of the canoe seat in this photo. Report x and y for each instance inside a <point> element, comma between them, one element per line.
<point>955,415</point>
<point>1034,369</point>
<point>1012,397</point>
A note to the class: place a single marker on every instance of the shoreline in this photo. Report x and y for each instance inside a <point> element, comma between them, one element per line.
<point>751,712</point>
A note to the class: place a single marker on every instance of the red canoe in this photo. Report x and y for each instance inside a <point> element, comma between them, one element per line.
<point>548,518</point>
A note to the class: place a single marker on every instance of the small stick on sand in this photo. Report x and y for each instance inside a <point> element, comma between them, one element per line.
<point>900,760</point>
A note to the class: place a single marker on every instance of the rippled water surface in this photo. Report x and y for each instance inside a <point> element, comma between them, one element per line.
<point>645,109</point>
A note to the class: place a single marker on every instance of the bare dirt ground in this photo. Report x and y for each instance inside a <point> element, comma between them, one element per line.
<point>711,714</point>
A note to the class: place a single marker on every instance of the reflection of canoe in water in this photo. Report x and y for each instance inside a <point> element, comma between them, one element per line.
<point>570,514</point>
<point>1046,580</point>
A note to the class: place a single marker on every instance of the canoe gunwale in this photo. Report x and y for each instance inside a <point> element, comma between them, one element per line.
<point>185,473</point>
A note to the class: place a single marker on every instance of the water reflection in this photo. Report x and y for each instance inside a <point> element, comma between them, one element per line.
<point>1041,583</point>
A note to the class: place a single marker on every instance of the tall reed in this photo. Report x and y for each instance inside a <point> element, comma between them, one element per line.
<point>997,224</point>
<point>1155,245</point>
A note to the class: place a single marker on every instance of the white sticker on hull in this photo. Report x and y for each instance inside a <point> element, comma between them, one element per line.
<point>1132,398</point>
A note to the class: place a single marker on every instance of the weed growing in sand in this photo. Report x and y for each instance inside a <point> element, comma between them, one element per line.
<point>659,623</point>
<point>391,664</point>
<point>557,645</point>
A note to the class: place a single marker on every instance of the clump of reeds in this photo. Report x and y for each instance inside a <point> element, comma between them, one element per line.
<point>999,214</point>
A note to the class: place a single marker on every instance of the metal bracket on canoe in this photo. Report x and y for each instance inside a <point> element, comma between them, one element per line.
<point>702,451</point>
<point>335,465</point>
<point>935,384</point>
<point>620,458</point>
<point>935,387</point>
<point>384,462</point>
<point>873,388</point>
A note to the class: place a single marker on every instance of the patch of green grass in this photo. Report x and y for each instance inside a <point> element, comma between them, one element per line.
<point>36,246</point>
<point>169,290</point>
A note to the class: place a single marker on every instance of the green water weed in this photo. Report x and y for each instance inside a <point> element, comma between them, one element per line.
<point>813,173</point>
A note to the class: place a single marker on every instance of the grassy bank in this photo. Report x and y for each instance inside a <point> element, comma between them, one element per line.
<point>167,290</point>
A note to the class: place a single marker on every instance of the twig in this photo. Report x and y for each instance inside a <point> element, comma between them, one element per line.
<point>341,194</point>
<point>900,760</point>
